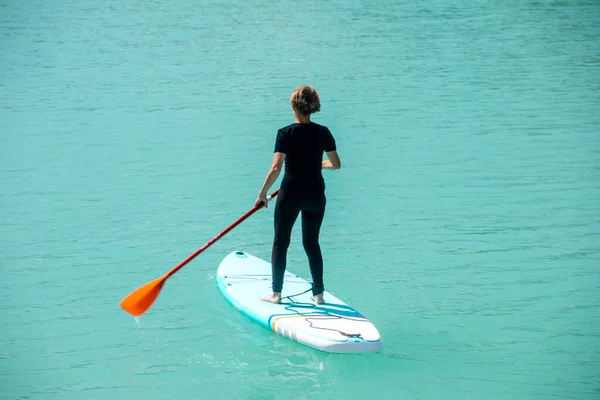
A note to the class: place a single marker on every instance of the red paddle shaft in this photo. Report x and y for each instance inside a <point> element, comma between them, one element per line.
<point>219,236</point>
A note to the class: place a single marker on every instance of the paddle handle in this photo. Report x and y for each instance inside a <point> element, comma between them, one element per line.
<point>219,236</point>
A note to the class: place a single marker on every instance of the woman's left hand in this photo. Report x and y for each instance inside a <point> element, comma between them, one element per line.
<point>262,198</point>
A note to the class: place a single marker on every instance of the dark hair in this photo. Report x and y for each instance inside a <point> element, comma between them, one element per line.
<point>305,99</point>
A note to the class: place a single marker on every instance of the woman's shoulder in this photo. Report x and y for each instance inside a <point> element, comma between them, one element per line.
<point>311,125</point>
<point>320,126</point>
<point>322,129</point>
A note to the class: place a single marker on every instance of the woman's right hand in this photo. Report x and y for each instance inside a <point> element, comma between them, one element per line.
<point>262,198</point>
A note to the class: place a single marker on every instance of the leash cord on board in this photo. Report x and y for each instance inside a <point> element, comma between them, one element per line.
<point>306,305</point>
<point>310,319</point>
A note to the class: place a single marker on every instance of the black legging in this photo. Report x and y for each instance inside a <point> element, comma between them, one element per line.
<point>289,204</point>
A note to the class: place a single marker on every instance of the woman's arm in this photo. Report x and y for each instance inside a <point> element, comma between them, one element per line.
<point>272,176</point>
<point>333,161</point>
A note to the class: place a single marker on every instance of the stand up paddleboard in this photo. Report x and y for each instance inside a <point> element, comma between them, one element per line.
<point>333,327</point>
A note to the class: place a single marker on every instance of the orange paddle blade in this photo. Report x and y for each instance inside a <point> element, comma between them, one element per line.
<point>140,300</point>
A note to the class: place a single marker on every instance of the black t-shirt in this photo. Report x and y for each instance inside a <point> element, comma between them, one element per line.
<point>304,145</point>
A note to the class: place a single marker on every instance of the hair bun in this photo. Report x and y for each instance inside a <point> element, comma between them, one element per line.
<point>305,99</point>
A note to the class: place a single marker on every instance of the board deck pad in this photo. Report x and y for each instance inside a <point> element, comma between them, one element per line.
<point>333,327</point>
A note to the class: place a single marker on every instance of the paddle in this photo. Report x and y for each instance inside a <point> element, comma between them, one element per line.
<point>140,300</point>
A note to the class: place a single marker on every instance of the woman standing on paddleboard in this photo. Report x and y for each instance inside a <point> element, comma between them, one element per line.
<point>301,146</point>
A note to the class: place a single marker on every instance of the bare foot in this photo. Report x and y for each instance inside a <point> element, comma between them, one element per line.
<point>272,298</point>
<point>318,299</point>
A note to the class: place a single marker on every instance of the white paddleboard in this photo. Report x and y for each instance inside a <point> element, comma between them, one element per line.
<point>333,327</point>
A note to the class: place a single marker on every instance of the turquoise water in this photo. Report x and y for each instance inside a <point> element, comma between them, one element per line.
<point>465,222</point>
